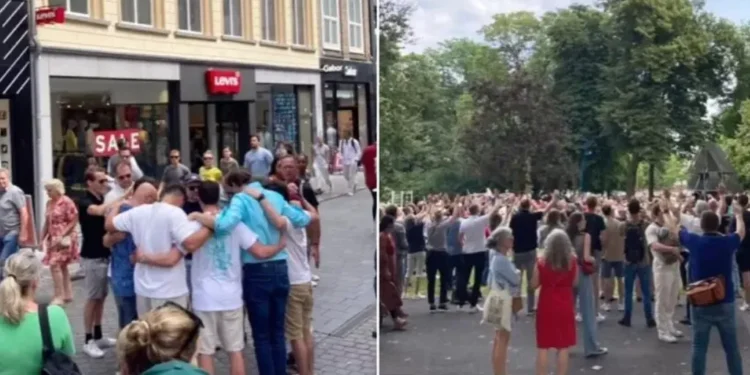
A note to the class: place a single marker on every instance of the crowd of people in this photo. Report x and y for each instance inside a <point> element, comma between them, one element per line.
<point>569,254</point>
<point>188,257</point>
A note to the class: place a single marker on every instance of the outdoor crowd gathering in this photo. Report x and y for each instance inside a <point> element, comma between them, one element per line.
<point>568,259</point>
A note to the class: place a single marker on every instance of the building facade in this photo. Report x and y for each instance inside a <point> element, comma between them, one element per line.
<point>192,75</point>
<point>348,71</point>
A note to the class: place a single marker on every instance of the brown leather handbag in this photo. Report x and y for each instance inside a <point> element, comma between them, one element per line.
<point>707,292</point>
<point>517,305</point>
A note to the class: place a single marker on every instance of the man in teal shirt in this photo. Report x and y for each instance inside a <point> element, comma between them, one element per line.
<point>265,282</point>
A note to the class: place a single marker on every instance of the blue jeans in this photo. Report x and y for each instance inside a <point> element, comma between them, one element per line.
<point>126,310</point>
<point>721,316</point>
<point>643,273</point>
<point>265,291</point>
<point>9,245</point>
<point>587,307</point>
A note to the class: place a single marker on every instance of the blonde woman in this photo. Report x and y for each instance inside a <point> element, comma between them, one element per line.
<point>21,343</point>
<point>556,273</point>
<point>60,239</point>
<point>164,341</point>
<point>506,283</point>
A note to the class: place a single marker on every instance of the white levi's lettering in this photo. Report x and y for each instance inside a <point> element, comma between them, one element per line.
<point>226,81</point>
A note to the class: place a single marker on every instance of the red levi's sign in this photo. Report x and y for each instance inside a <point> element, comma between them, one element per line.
<point>105,141</point>
<point>223,82</point>
<point>47,16</point>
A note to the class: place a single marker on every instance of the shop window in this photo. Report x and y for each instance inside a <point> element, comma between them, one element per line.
<point>190,14</point>
<point>233,17</point>
<point>356,27</point>
<point>331,33</point>
<point>268,11</point>
<point>362,125</point>
<point>198,133</point>
<point>80,7</point>
<point>299,10</point>
<point>345,95</point>
<point>137,11</point>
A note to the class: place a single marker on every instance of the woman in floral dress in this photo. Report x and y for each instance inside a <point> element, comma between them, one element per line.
<point>60,239</point>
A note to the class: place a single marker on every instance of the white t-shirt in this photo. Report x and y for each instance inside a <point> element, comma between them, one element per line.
<point>298,262</point>
<point>216,273</point>
<point>116,193</point>
<point>155,229</point>
<point>473,230</point>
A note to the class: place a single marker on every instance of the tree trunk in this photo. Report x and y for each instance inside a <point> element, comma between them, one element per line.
<point>632,175</point>
<point>650,181</point>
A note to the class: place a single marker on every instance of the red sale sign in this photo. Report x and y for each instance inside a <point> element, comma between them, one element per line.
<point>105,141</point>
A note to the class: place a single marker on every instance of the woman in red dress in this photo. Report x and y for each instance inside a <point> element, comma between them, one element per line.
<point>390,298</point>
<point>556,273</point>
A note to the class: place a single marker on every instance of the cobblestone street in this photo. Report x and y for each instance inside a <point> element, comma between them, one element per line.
<point>344,313</point>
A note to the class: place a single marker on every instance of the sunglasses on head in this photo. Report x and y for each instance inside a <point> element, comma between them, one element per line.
<point>196,320</point>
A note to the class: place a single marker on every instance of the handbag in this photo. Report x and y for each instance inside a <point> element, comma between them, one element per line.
<point>517,305</point>
<point>493,308</point>
<point>707,292</point>
<point>54,362</point>
<point>588,268</point>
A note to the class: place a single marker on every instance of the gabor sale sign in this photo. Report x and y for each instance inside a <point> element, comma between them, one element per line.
<point>105,141</point>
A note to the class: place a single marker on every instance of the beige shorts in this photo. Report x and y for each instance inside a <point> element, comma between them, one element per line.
<point>146,304</point>
<point>224,329</point>
<point>299,308</point>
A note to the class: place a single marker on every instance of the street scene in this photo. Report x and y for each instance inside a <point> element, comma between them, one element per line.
<point>564,187</point>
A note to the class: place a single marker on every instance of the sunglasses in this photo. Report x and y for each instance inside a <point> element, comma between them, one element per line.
<point>103,181</point>
<point>174,156</point>
<point>196,320</point>
<point>124,177</point>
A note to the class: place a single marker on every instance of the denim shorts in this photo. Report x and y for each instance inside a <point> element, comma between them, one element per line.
<point>613,269</point>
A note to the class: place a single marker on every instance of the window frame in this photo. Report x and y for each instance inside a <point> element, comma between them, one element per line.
<point>336,20</point>
<point>296,29</point>
<point>360,24</point>
<point>201,7</point>
<point>89,9</point>
<point>135,14</point>
<point>264,17</point>
<point>231,19</point>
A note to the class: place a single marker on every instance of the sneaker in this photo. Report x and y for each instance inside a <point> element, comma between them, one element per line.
<point>480,308</point>
<point>350,194</point>
<point>620,307</point>
<point>579,318</point>
<point>600,318</point>
<point>92,350</point>
<point>650,323</point>
<point>433,309</point>
<point>443,307</point>
<point>686,322</point>
<point>606,307</point>
<point>624,322</point>
<point>666,337</point>
<point>598,353</point>
<point>744,306</point>
<point>315,278</point>
<point>106,342</point>
<point>314,283</point>
<point>677,333</point>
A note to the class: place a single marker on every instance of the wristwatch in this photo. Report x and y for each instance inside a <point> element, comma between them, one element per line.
<point>261,197</point>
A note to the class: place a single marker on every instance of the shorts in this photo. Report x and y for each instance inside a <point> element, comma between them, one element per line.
<point>146,304</point>
<point>613,269</point>
<point>416,264</point>
<point>223,329</point>
<point>743,261</point>
<point>299,306</point>
<point>95,280</point>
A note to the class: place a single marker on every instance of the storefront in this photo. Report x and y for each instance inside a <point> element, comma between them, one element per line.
<point>349,100</point>
<point>87,103</point>
<point>16,132</point>
<point>216,108</point>
<point>288,109</point>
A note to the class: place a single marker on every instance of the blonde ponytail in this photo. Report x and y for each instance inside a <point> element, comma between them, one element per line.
<point>21,271</point>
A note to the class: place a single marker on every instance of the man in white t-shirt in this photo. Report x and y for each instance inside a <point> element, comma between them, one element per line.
<point>157,228</point>
<point>474,253</point>
<point>123,183</point>
<point>298,318</point>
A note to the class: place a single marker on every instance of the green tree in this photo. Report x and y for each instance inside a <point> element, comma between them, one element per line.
<point>737,148</point>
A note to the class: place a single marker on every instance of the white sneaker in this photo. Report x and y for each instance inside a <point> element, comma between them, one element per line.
<point>480,308</point>
<point>316,278</point>
<point>579,318</point>
<point>667,338</point>
<point>600,318</point>
<point>314,283</point>
<point>106,342</point>
<point>605,307</point>
<point>744,306</point>
<point>677,333</point>
<point>92,350</point>
<point>620,307</point>
<point>350,194</point>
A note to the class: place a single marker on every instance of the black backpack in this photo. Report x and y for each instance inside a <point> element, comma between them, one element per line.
<point>635,244</point>
<point>54,362</point>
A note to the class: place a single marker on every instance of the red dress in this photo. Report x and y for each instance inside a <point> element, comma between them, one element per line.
<point>555,315</point>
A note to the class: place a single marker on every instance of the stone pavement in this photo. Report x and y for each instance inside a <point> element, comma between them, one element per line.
<point>455,343</point>
<point>344,313</point>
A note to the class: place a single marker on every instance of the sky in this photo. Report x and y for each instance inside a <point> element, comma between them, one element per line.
<point>437,20</point>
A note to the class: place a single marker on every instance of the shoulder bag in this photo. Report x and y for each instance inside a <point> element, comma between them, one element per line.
<point>54,362</point>
<point>707,292</point>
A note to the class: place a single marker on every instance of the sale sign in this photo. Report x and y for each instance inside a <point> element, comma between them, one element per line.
<point>105,141</point>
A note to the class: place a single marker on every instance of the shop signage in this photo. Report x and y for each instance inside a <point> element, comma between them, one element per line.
<point>105,141</point>
<point>47,16</point>
<point>346,70</point>
<point>223,82</point>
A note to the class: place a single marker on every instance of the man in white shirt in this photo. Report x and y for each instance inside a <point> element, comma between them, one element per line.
<point>474,253</point>
<point>123,182</point>
<point>320,164</point>
<point>156,228</point>
<point>350,153</point>
<point>124,155</point>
